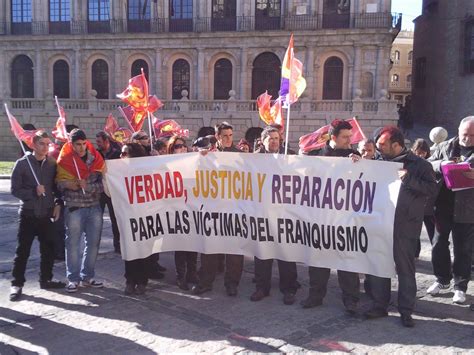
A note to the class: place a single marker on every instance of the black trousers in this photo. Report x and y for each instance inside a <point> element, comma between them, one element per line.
<point>234,265</point>
<point>186,264</point>
<point>136,271</point>
<point>429,222</point>
<point>287,271</point>
<point>107,201</point>
<point>348,282</point>
<point>60,235</point>
<point>30,227</point>
<point>404,256</point>
<point>463,239</point>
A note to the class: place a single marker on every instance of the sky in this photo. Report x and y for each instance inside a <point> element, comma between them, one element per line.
<point>410,10</point>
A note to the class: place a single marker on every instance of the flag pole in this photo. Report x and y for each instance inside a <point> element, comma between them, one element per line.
<point>24,152</point>
<point>149,128</point>
<point>287,127</point>
<point>120,109</point>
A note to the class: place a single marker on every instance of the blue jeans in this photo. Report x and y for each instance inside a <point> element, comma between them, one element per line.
<point>86,220</point>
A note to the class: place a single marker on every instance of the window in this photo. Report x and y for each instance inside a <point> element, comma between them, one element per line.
<point>266,75</point>
<point>396,56</point>
<point>59,11</point>
<point>61,79</point>
<point>139,10</point>
<point>137,68</point>
<point>395,78</point>
<point>420,73</point>
<point>267,14</point>
<point>336,13</point>
<point>410,57</point>
<point>21,11</point>
<point>367,85</point>
<point>409,81</point>
<point>333,79</point>
<point>223,15</point>
<point>22,77</point>
<point>469,47</point>
<point>99,10</point>
<point>222,79</point>
<point>181,9</point>
<point>100,78</point>
<point>181,78</point>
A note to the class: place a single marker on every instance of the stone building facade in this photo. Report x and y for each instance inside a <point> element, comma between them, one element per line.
<point>400,76</point>
<point>207,60</point>
<point>443,62</point>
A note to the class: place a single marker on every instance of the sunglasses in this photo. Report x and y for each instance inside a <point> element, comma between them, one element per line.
<point>143,138</point>
<point>178,146</point>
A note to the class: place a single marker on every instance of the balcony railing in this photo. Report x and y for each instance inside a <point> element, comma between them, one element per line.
<point>207,24</point>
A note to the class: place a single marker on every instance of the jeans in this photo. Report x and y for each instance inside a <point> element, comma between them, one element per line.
<point>86,220</point>
<point>29,227</point>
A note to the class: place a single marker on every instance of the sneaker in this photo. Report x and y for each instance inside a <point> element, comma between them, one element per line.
<point>15,293</point>
<point>71,287</point>
<point>91,283</point>
<point>436,288</point>
<point>459,297</point>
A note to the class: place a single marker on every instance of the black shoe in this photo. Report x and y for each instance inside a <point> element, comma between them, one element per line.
<point>15,293</point>
<point>231,290</point>
<point>117,250</point>
<point>199,290</point>
<point>156,275</point>
<point>311,303</point>
<point>407,320</point>
<point>140,289</point>
<point>289,298</point>
<point>129,289</point>
<point>51,284</point>
<point>160,268</point>
<point>375,313</point>
<point>471,307</point>
<point>192,278</point>
<point>182,284</point>
<point>258,295</point>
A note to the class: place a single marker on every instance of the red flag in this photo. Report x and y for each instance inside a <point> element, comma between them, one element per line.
<point>59,131</point>
<point>168,128</point>
<point>135,119</point>
<point>270,114</point>
<point>116,133</point>
<point>319,138</point>
<point>19,132</point>
<point>136,95</point>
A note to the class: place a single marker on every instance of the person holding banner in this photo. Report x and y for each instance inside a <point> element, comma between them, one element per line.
<point>271,139</point>
<point>417,184</point>
<point>80,168</point>
<point>454,213</point>
<point>185,261</point>
<point>339,145</point>
<point>210,262</point>
<point>40,207</point>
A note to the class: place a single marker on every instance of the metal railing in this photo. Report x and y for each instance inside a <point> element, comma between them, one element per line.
<point>207,24</point>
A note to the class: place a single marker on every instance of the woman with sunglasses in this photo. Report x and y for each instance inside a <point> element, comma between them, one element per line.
<point>185,261</point>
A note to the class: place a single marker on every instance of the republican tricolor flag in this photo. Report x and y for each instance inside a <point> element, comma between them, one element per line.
<point>292,82</point>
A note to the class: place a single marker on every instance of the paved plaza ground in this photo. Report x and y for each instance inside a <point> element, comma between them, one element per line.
<point>166,319</point>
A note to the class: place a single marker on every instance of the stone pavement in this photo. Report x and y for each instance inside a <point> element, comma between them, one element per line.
<point>167,319</point>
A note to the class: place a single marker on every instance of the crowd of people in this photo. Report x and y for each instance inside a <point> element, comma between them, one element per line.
<point>67,204</point>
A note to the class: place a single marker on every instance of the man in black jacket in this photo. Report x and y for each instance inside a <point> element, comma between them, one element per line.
<point>454,212</point>
<point>418,183</point>
<point>210,262</point>
<point>339,145</point>
<point>38,210</point>
<point>263,268</point>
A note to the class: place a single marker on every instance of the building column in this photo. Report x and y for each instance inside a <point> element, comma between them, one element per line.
<point>309,73</point>
<point>356,71</point>
<point>199,77</point>
<point>117,83</point>
<point>158,74</point>
<point>3,76</point>
<point>38,75</point>
<point>243,74</point>
<point>381,72</point>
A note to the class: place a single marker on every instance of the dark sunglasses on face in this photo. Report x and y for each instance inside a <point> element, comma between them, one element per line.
<point>178,146</point>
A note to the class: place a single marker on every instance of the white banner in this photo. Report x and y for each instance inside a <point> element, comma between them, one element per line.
<point>327,212</point>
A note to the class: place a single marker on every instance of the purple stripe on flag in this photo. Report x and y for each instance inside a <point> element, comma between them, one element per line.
<point>284,86</point>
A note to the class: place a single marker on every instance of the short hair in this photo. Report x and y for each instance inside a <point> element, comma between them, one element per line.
<point>337,126</point>
<point>394,133</point>
<point>40,135</point>
<point>172,143</point>
<point>366,141</point>
<point>159,144</point>
<point>135,150</point>
<point>221,126</point>
<point>421,144</point>
<point>466,120</point>
<point>104,135</point>
<point>70,127</point>
<point>77,134</point>
<point>267,130</point>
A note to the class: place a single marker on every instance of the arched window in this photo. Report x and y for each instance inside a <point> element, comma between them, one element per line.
<point>61,79</point>
<point>367,85</point>
<point>266,75</point>
<point>267,14</point>
<point>410,57</point>
<point>333,79</point>
<point>137,68</point>
<point>396,56</point>
<point>22,77</point>
<point>181,78</point>
<point>100,78</point>
<point>139,15</point>
<point>59,16</point>
<point>223,15</point>
<point>21,17</point>
<point>395,78</point>
<point>181,16</point>
<point>222,79</point>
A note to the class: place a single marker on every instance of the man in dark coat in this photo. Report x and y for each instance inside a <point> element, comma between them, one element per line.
<point>454,213</point>
<point>339,145</point>
<point>418,183</point>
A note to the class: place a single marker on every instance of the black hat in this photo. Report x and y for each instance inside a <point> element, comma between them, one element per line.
<point>202,142</point>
